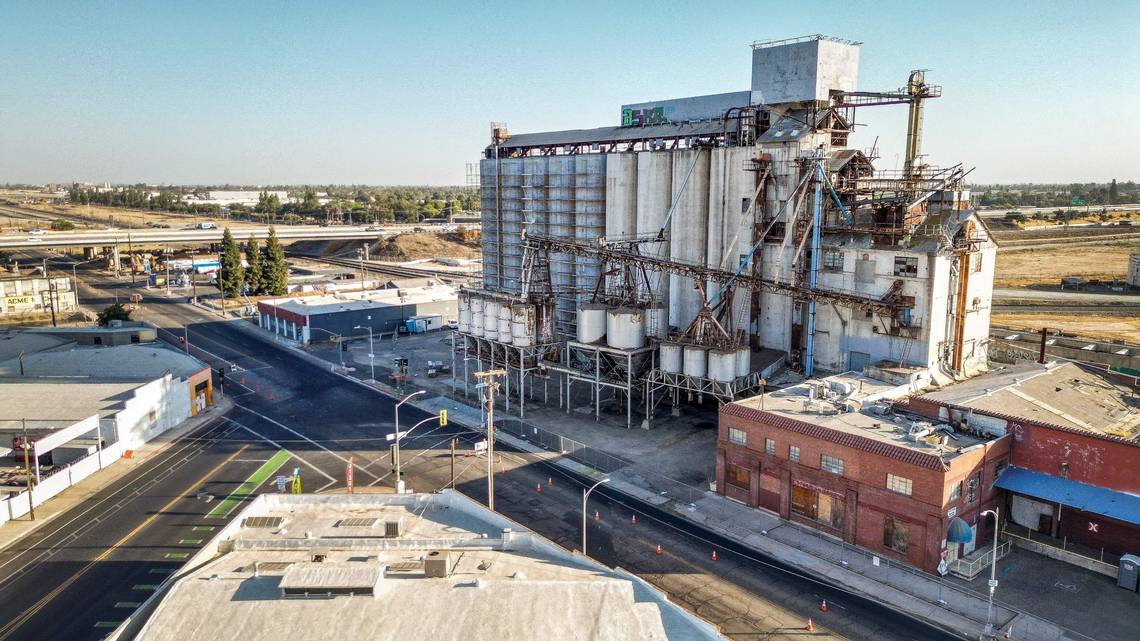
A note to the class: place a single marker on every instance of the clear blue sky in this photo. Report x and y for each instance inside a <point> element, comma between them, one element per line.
<point>402,92</point>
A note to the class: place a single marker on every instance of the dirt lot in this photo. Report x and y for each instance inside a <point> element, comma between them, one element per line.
<point>1092,217</point>
<point>1091,325</point>
<point>416,246</point>
<point>1048,266</point>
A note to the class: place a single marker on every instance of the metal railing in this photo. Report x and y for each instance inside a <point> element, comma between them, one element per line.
<point>968,568</point>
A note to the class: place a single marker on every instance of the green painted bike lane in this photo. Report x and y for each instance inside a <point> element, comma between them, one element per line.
<point>243,491</point>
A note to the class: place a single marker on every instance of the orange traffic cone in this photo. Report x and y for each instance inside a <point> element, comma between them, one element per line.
<point>659,550</point>
<point>714,555</point>
<point>549,481</point>
<point>538,487</point>
<point>633,520</point>
<point>1006,637</point>
<point>823,606</point>
<point>597,517</point>
<point>810,627</point>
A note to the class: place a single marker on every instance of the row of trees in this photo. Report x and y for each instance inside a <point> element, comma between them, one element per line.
<point>139,198</point>
<point>1034,195</point>
<point>264,271</point>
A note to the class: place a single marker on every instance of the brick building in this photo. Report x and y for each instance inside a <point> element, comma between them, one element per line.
<point>1075,441</point>
<point>839,455</point>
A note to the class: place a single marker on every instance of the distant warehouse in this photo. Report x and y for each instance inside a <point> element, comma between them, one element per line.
<point>327,316</point>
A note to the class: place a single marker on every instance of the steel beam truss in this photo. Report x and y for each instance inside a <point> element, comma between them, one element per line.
<point>616,254</point>
<point>671,385</point>
<point>523,364</point>
<point>602,367</point>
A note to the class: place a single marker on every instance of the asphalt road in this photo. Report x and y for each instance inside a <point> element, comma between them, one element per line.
<point>284,402</point>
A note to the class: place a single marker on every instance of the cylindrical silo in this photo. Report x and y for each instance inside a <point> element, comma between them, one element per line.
<point>534,195</point>
<point>522,324</point>
<point>589,216</point>
<point>694,359</point>
<point>688,231</point>
<point>743,361</point>
<point>560,224</point>
<point>511,205</point>
<point>654,194</point>
<point>657,321</point>
<point>591,322</point>
<point>464,303</point>
<point>488,181</point>
<point>621,205</point>
<point>504,335</point>
<point>671,357</point>
<point>491,319</point>
<point>477,303</point>
<point>722,365</point>
<point>625,328</point>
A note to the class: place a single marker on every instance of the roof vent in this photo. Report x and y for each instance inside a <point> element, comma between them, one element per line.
<point>437,565</point>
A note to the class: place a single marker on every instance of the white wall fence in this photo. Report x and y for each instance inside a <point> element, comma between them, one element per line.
<point>61,478</point>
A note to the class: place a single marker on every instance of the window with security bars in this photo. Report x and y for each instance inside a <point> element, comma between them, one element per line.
<point>899,484</point>
<point>832,260</point>
<point>794,453</point>
<point>740,437</point>
<point>831,464</point>
<point>769,446</point>
<point>906,266</point>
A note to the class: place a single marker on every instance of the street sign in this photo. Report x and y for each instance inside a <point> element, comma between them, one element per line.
<point>480,446</point>
<point>348,475</point>
<point>370,355</point>
<point>942,567</point>
<point>392,437</point>
<point>1076,202</point>
<point>281,481</point>
<point>875,561</point>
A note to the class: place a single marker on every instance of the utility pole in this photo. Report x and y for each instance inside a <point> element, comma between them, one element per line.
<point>51,293</point>
<point>360,255</point>
<point>452,483</point>
<point>489,384</point>
<point>28,470</point>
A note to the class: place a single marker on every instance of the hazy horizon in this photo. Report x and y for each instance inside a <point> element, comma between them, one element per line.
<point>401,95</point>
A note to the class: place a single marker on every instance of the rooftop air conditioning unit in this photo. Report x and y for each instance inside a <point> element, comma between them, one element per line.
<point>392,529</point>
<point>437,565</point>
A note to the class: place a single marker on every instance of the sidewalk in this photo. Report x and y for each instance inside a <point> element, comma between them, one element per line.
<point>13,531</point>
<point>923,596</point>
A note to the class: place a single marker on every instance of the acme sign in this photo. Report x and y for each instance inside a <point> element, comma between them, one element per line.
<point>12,301</point>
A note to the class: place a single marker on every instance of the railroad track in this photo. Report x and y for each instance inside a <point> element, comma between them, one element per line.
<point>393,270</point>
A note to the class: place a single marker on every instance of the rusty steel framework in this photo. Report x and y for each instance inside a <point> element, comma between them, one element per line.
<point>620,254</point>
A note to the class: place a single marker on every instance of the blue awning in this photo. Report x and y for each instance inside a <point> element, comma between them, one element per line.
<point>1082,496</point>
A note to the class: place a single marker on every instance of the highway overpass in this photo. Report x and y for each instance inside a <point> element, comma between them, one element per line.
<point>122,237</point>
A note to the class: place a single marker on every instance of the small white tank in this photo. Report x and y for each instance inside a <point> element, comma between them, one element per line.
<point>522,324</point>
<point>657,321</point>
<point>591,322</point>
<point>694,361</point>
<point>491,319</point>
<point>464,312</point>
<point>743,361</point>
<point>476,328</point>
<point>722,365</point>
<point>625,328</point>
<point>671,357</point>
<point>504,335</point>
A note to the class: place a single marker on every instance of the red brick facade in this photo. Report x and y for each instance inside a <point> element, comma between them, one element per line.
<point>1078,455</point>
<point>856,505</point>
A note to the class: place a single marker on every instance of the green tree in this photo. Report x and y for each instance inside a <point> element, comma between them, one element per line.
<point>1113,192</point>
<point>62,225</point>
<point>253,271</point>
<point>275,272</point>
<point>232,274</point>
<point>112,313</point>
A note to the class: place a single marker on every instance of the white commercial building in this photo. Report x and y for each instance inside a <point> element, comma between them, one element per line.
<point>225,198</point>
<point>1133,276</point>
<point>412,567</point>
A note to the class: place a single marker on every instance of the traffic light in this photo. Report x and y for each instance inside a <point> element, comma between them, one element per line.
<point>392,453</point>
<point>344,346</point>
<point>221,376</point>
<point>443,417</point>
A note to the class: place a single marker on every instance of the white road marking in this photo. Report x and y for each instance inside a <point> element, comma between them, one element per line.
<point>281,447</point>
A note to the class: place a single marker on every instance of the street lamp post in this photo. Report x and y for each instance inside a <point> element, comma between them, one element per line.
<point>400,481</point>
<point>993,572</point>
<point>398,436</point>
<point>338,341</point>
<point>371,352</point>
<point>585,496</point>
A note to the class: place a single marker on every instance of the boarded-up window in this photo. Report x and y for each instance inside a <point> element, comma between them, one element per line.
<point>738,476</point>
<point>896,534</point>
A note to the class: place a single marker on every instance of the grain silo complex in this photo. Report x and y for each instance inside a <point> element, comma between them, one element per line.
<point>702,245</point>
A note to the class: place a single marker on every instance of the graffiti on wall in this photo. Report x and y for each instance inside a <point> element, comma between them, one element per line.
<point>642,117</point>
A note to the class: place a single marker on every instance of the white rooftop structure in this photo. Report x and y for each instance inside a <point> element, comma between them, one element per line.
<point>413,567</point>
<point>123,362</point>
<point>367,299</point>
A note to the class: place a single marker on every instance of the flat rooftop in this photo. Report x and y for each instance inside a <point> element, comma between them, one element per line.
<point>852,404</point>
<point>1059,393</point>
<point>71,400</point>
<point>138,362</point>
<point>13,342</point>
<point>360,300</point>
<point>451,574</point>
